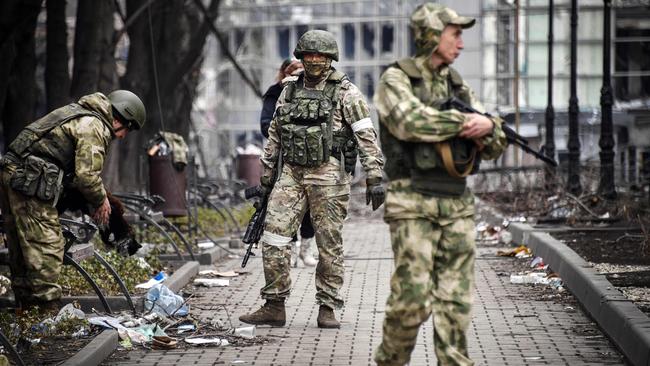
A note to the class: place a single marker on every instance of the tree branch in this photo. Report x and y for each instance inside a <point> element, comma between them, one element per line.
<point>226,50</point>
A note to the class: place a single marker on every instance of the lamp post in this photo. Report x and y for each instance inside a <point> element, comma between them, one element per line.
<point>549,145</point>
<point>606,187</point>
<point>573,184</point>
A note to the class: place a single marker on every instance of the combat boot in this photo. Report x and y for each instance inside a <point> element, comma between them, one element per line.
<point>271,313</point>
<point>326,318</point>
<point>305,252</point>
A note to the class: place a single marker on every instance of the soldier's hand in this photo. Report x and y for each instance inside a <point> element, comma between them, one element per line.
<point>476,126</point>
<point>375,193</point>
<point>102,213</point>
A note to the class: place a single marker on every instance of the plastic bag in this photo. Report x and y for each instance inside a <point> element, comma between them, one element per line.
<point>163,301</point>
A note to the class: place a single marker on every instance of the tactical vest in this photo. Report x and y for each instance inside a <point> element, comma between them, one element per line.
<point>40,174</point>
<point>435,169</point>
<point>37,130</point>
<point>305,124</point>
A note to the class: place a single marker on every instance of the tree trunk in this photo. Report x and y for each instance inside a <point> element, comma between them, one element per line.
<point>57,77</point>
<point>89,46</point>
<point>176,30</point>
<point>17,81</point>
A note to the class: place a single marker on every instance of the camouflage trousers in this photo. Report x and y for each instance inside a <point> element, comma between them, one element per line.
<point>35,244</point>
<point>434,275</point>
<point>287,205</point>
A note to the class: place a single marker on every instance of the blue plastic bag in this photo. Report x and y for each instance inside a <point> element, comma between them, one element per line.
<point>163,301</point>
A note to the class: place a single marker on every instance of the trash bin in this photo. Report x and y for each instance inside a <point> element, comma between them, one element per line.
<point>249,168</point>
<point>167,174</point>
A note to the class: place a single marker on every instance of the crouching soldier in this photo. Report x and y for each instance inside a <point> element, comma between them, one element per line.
<point>70,142</point>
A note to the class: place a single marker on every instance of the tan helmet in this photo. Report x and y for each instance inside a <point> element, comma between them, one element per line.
<point>130,109</point>
<point>429,20</point>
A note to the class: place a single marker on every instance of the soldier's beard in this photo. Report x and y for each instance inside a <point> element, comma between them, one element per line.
<point>316,70</point>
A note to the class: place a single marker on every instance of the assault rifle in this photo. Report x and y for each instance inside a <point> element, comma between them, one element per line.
<point>255,226</point>
<point>512,136</point>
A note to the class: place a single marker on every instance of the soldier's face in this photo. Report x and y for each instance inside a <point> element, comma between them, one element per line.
<point>120,130</point>
<point>451,43</point>
<point>316,64</point>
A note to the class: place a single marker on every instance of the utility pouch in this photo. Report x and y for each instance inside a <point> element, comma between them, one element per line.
<point>425,157</point>
<point>26,178</point>
<point>49,186</point>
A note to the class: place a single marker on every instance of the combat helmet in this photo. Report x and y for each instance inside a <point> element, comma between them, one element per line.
<point>129,108</point>
<point>429,20</point>
<point>317,41</point>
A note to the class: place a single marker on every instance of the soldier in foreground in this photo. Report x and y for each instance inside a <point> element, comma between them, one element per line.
<point>319,115</point>
<point>429,152</point>
<point>64,149</point>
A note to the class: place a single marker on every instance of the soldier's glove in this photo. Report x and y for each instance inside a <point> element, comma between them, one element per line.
<point>266,185</point>
<point>374,192</point>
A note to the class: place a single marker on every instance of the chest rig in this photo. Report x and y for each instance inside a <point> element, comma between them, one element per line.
<point>305,122</point>
<point>435,169</point>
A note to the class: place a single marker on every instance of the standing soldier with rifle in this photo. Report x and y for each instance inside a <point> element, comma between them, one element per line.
<point>70,142</point>
<point>429,153</point>
<point>320,115</point>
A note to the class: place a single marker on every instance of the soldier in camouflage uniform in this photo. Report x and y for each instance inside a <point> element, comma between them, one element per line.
<point>429,152</point>
<point>319,115</point>
<point>65,148</point>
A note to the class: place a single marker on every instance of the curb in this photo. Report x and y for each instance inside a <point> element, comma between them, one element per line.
<point>175,282</point>
<point>96,351</point>
<point>207,257</point>
<point>622,321</point>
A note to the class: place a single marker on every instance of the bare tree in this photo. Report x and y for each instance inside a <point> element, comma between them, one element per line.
<point>57,76</point>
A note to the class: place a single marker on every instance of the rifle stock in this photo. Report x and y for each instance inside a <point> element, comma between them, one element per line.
<point>511,135</point>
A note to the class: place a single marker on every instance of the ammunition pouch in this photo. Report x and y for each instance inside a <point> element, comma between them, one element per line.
<point>36,177</point>
<point>305,145</point>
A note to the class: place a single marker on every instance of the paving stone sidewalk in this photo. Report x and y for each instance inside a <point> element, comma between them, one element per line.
<point>509,326</point>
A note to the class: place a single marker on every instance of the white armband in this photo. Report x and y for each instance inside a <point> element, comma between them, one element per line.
<point>275,239</point>
<point>362,124</point>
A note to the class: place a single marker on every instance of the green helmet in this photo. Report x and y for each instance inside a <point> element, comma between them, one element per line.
<point>317,41</point>
<point>129,108</point>
<point>429,20</point>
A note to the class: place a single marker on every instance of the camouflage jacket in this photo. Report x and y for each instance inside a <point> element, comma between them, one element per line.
<point>353,111</point>
<point>410,119</point>
<point>80,145</point>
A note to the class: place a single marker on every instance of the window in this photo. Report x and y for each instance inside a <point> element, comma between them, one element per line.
<point>368,39</point>
<point>349,36</point>
<point>631,50</point>
<point>283,42</point>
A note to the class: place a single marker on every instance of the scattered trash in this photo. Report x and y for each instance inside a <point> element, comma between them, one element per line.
<point>205,244</point>
<point>505,237</point>
<point>521,251</point>
<point>185,328</point>
<point>69,312</point>
<point>245,332</point>
<point>201,340</point>
<point>538,263</point>
<point>163,342</point>
<point>219,274</point>
<point>237,362</point>
<point>165,302</point>
<point>538,278</point>
<point>158,278</point>
<point>211,282</point>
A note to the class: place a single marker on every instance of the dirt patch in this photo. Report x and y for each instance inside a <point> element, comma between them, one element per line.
<point>603,246</point>
<point>53,350</point>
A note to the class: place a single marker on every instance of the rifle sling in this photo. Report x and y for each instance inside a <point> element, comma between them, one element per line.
<point>443,149</point>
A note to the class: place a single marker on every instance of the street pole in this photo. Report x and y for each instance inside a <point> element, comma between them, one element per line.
<point>607,187</point>
<point>549,145</point>
<point>515,86</point>
<point>573,184</point>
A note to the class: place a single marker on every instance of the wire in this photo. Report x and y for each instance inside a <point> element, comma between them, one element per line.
<point>155,70</point>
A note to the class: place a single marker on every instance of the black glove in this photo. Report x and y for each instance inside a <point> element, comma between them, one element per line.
<point>375,192</point>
